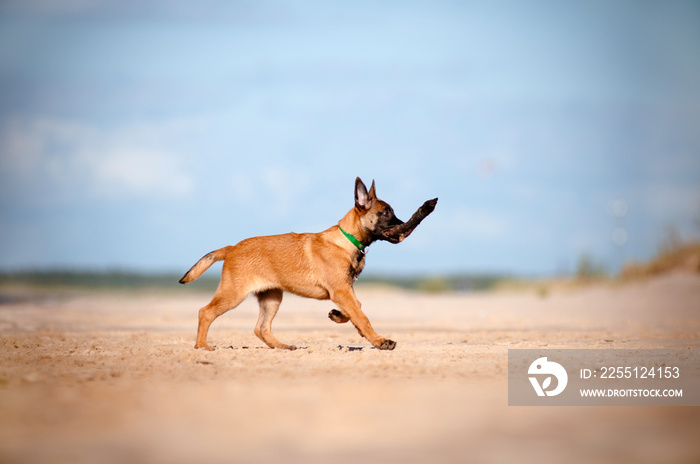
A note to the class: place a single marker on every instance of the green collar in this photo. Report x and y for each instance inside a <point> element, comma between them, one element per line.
<point>354,240</point>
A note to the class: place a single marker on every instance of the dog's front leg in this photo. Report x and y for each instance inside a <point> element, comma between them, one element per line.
<point>350,307</point>
<point>338,317</point>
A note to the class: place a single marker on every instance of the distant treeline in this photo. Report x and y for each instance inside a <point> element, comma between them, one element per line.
<point>453,283</point>
<point>115,280</point>
<point>100,280</point>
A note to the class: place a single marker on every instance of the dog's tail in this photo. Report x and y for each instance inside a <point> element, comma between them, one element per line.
<point>203,264</point>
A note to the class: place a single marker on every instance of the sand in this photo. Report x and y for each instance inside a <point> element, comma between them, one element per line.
<point>113,378</point>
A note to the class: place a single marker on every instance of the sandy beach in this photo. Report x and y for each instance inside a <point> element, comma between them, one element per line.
<point>112,377</point>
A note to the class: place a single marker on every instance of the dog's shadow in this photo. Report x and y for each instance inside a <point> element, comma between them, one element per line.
<point>339,347</point>
<point>351,348</point>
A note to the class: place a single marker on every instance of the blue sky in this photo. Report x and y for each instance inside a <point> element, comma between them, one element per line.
<point>141,135</point>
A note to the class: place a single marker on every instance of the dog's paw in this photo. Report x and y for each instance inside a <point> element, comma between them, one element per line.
<point>204,347</point>
<point>336,316</point>
<point>387,345</point>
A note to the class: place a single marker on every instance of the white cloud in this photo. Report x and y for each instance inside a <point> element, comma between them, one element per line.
<point>71,159</point>
<point>138,172</point>
<point>284,182</point>
<point>28,147</point>
<point>277,186</point>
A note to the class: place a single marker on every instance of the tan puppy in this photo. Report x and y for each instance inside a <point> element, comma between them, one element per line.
<point>323,266</point>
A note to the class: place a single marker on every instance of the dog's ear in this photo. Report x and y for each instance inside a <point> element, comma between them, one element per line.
<point>372,191</point>
<point>363,200</point>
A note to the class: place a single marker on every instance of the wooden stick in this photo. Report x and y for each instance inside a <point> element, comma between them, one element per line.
<point>398,233</point>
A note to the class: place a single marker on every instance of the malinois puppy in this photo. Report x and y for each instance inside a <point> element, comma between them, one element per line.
<point>323,266</point>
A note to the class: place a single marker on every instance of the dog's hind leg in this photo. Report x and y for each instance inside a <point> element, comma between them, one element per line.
<point>269,304</point>
<point>218,306</point>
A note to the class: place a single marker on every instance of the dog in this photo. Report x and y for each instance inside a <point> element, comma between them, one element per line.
<point>320,265</point>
